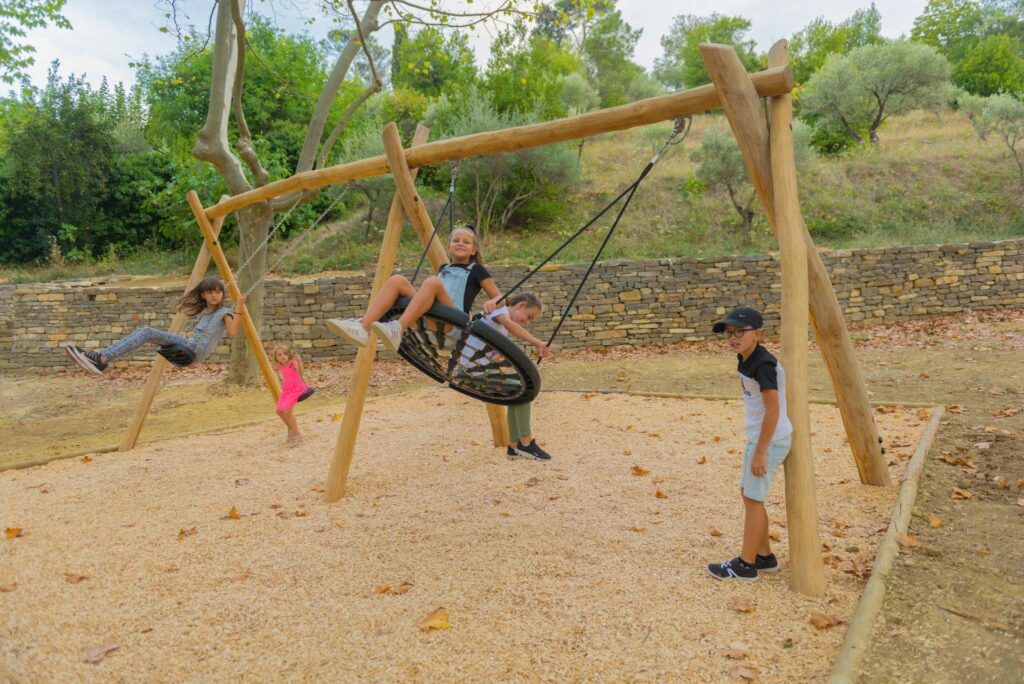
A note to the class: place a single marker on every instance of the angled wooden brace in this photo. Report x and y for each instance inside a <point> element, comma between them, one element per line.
<point>743,109</point>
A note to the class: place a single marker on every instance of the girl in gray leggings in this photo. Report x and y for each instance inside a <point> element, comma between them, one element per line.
<point>206,300</point>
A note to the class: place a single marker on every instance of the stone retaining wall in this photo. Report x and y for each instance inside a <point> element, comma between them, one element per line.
<point>624,303</point>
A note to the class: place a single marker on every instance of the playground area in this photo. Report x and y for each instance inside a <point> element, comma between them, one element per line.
<point>546,570</point>
<point>593,564</point>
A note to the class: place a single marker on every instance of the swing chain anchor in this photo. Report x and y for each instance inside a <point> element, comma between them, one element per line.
<point>680,130</point>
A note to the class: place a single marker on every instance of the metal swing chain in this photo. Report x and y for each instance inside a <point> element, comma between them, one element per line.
<point>450,209</point>
<point>342,193</point>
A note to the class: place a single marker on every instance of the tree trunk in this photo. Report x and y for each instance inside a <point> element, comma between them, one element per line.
<point>253,225</point>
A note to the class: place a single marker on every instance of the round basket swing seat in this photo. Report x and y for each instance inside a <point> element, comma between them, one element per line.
<point>470,356</point>
<point>179,355</point>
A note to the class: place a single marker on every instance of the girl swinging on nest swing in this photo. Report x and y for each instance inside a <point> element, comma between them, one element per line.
<point>457,285</point>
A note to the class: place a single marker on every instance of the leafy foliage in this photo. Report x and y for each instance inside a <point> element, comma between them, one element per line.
<point>15,17</point>
<point>857,92</point>
<point>681,65</point>
<point>431,62</point>
<point>720,167</point>
<point>812,44</point>
<point>1002,116</point>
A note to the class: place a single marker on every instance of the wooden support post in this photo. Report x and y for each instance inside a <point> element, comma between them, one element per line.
<point>743,109</point>
<point>420,220</point>
<point>131,435</point>
<point>641,113</point>
<point>213,245</point>
<point>345,445</point>
<point>498,416</point>
<point>801,501</point>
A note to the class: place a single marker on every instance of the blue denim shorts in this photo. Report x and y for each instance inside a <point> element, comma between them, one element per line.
<point>756,488</point>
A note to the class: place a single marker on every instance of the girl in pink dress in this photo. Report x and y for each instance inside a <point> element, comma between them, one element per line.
<point>293,389</point>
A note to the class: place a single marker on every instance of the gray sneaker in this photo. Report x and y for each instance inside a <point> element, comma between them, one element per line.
<point>390,334</point>
<point>349,328</point>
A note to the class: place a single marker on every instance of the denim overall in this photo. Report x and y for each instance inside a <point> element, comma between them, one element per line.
<point>454,281</point>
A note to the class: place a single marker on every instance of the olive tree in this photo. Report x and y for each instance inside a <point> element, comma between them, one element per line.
<point>860,90</point>
<point>1002,116</point>
<point>720,167</point>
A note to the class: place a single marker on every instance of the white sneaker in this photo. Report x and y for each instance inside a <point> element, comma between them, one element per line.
<point>351,329</point>
<point>390,334</point>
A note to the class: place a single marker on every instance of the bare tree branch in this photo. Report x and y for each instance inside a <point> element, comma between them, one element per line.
<point>366,48</point>
<point>244,143</point>
<point>343,122</point>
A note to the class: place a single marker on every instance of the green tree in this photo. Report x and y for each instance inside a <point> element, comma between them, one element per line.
<point>948,25</point>
<point>503,189</point>
<point>1002,116</point>
<point>992,64</point>
<point>16,16</point>
<point>812,44</point>
<point>720,167</point>
<point>858,91</point>
<point>681,65</point>
<point>607,52</point>
<point>525,73</point>
<point>431,62</point>
<point>568,23</point>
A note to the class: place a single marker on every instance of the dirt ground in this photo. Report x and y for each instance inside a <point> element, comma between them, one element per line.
<point>956,601</point>
<point>591,566</point>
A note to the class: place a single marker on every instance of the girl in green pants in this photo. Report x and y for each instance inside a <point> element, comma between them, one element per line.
<point>520,311</point>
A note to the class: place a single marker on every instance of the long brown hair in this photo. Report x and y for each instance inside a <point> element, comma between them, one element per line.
<point>531,300</point>
<point>477,258</point>
<point>193,304</point>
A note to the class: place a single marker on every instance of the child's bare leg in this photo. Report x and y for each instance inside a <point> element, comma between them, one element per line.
<point>289,419</point>
<point>755,530</point>
<point>395,287</point>
<point>431,291</point>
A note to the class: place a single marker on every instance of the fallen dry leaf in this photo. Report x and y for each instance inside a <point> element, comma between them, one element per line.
<point>12,532</point>
<point>186,532</point>
<point>335,417</point>
<point>97,654</point>
<point>660,494</point>
<point>242,576</point>
<point>86,459</point>
<point>741,605</point>
<point>74,578</point>
<point>984,552</point>
<point>1001,481</point>
<point>1006,412</point>
<point>438,619</point>
<point>639,471</point>
<point>960,494</point>
<point>232,514</point>
<point>637,528</point>
<point>956,408</point>
<point>935,522</point>
<point>774,536</point>
<point>822,621</point>
<point>8,587</point>
<point>743,672</point>
<point>907,541</point>
<point>714,532</point>
<point>702,460</point>
<point>627,452</point>
<point>1020,484</point>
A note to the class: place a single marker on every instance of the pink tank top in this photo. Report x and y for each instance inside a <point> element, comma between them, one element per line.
<point>290,375</point>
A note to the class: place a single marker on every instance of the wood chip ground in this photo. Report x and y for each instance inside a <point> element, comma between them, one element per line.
<point>571,570</point>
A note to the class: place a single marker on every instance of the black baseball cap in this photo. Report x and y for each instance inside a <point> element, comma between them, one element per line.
<point>740,317</point>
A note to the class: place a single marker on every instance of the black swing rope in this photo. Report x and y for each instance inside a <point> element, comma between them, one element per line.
<point>679,132</point>
<point>448,208</point>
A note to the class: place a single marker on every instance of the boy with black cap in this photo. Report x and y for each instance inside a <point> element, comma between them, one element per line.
<point>769,434</point>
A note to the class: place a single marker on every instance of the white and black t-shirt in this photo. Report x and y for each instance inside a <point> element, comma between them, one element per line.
<point>762,371</point>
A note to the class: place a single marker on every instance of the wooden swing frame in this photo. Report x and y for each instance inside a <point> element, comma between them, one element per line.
<point>807,292</point>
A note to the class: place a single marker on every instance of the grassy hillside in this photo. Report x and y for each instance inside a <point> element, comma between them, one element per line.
<point>929,180</point>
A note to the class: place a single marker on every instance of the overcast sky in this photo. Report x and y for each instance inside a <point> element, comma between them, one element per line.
<point>108,34</point>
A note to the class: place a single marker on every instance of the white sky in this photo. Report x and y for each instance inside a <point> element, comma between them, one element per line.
<point>108,34</point>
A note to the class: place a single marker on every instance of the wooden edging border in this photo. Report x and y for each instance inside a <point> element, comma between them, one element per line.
<point>720,397</point>
<point>846,668</point>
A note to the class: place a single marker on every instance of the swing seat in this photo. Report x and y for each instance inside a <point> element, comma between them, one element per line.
<point>493,368</point>
<point>180,355</point>
<point>307,394</point>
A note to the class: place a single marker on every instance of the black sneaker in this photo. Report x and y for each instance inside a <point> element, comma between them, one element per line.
<point>89,360</point>
<point>533,451</point>
<point>767,563</point>
<point>511,453</point>
<point>735,569</point>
